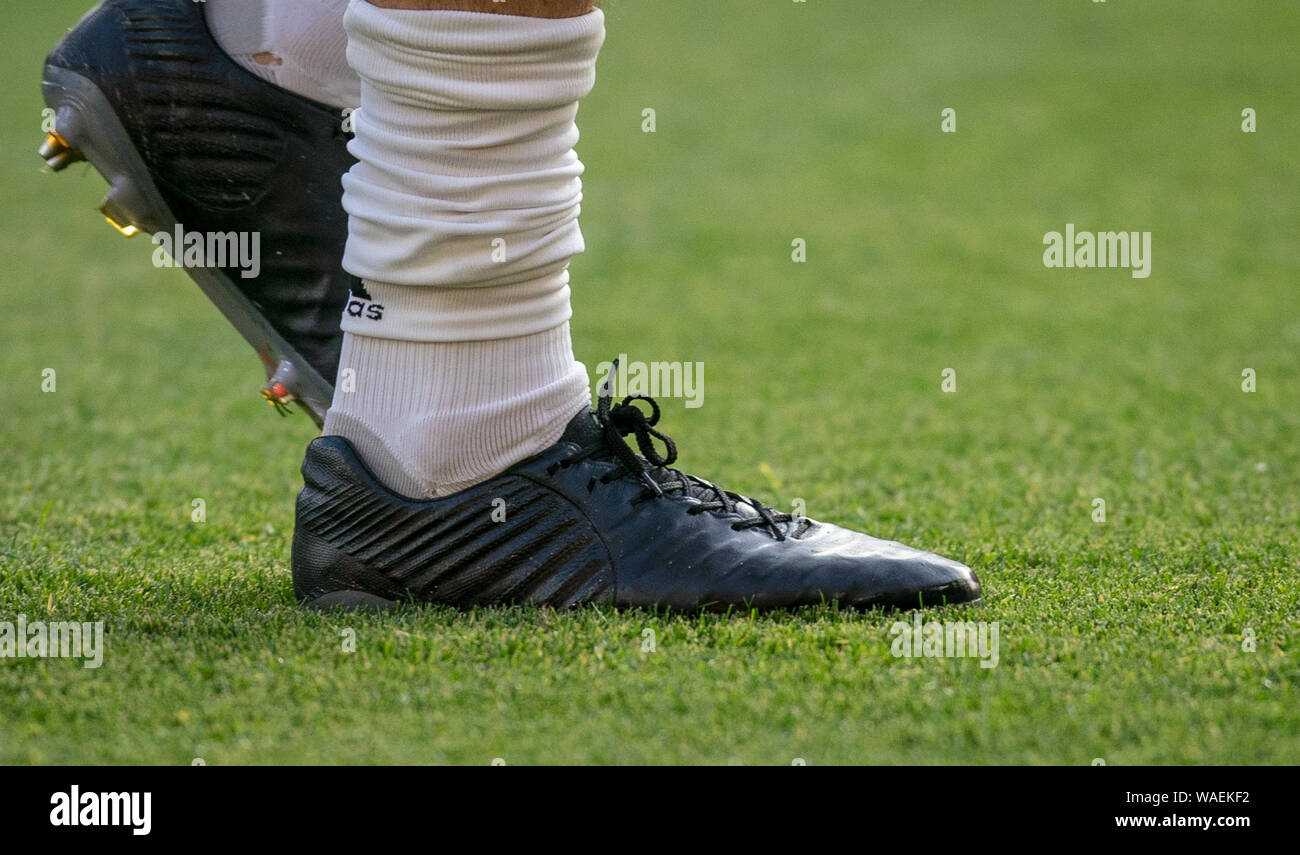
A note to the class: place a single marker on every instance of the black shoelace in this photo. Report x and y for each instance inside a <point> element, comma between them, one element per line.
<point>627,419</point>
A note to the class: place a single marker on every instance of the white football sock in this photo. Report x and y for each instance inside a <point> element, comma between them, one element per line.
<point>463,216</point>
<point>299,45</point>
<point>432,418</point>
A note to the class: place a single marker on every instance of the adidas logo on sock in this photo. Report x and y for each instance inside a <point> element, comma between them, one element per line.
<point>362,305</point>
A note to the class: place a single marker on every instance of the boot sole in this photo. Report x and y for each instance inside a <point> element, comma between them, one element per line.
<point>354,601</point>
<point>349,601</point>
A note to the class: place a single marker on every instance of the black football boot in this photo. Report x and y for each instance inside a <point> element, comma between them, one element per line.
<point>186,137</point>
<point>590,521</point>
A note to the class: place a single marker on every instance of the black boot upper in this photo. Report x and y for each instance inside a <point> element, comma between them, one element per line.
<point>589,520</point>
<point>229,152</point>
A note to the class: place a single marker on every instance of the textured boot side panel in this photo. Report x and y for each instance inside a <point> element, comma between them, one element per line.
<point>321,568</point>
<point>509,540</point>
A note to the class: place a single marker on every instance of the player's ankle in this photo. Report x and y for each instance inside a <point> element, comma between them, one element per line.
<point>298,46</point>
<point>433,418</point>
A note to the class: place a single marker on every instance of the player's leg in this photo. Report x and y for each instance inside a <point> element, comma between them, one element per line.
<point>463,219</point>
<point>299,45</point>
<point>525,8</point>
<point>461,462</point>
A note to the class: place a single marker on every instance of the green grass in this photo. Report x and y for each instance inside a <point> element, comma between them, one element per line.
<point>1120,640</point>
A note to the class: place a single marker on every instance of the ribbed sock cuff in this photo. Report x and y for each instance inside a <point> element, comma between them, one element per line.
<point>431,419</point>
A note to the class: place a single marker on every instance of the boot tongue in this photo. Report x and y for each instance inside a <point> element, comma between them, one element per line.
<point>583,429</point>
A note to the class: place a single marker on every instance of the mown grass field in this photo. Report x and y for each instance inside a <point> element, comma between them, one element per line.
<point>1120,640</point>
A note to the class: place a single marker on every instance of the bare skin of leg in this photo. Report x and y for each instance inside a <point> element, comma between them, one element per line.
<point>527,8</point>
